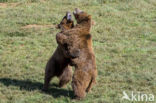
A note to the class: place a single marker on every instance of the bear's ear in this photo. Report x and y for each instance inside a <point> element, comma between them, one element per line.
<point>57,26</point>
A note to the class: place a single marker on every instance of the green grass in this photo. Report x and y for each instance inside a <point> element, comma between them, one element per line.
<point>124,40</point>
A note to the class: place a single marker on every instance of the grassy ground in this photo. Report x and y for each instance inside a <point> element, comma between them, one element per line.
<point>124,40</point>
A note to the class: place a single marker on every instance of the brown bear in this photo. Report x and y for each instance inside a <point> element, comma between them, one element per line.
<point>58,64</point>
<point>78,42</point>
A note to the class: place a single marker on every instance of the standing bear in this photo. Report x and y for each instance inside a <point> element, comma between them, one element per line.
<point>78,43</point>
<point>58,64</point>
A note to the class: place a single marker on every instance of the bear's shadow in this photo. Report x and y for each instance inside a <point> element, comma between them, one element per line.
<point>28,85</point>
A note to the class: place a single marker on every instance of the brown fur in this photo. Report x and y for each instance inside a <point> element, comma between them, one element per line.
<point>58,64</point>
<point>78,43</point>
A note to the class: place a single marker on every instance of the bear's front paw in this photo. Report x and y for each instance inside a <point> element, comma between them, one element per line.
<point>60,38</point>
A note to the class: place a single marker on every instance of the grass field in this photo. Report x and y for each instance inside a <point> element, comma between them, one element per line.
<point>124,40</point>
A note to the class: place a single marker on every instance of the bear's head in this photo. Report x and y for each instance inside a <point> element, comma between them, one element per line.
<point>66,23</point>
<point>69,49</point>
<point>82,17</point>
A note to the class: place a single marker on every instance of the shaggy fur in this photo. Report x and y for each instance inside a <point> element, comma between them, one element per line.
<point>78,42</point>
<point>58,64</point>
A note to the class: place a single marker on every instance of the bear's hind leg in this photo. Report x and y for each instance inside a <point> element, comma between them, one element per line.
<point>49,73</point>
<point>66,76</point>
<point>92,81</point>
<point>80,82</point>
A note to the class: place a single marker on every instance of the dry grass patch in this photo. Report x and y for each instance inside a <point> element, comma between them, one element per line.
<point>5,5</point>
<point>37,26</point>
